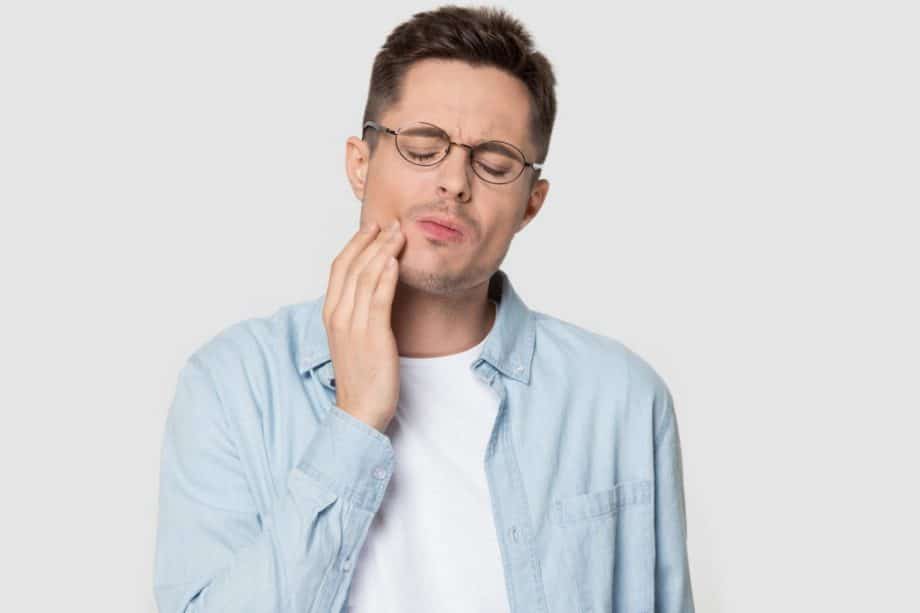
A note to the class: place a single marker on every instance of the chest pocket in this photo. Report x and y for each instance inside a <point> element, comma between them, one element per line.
<point>607,539</point>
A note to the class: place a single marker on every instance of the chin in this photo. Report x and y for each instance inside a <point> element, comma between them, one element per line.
<point>436,278</point>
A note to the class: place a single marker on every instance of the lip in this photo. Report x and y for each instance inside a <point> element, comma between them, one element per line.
<point>454,229</point>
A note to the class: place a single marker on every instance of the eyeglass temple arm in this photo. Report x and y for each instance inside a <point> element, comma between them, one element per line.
<point>376,126</point>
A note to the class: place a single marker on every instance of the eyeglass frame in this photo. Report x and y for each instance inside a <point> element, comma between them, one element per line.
<point>537,166</point>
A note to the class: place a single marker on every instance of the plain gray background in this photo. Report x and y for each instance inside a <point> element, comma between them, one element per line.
<point>734,195</point>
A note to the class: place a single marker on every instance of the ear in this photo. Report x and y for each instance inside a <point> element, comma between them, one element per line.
<point>534,202</point>
<point>357,159</point>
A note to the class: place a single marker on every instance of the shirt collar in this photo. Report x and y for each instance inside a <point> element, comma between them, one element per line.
<point>509,346</point>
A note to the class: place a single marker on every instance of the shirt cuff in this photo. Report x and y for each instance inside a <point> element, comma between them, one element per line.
<point>351,458</point>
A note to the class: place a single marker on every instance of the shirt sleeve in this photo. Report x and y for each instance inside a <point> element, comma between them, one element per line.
<point>673,592</point>
<point>216,552</point>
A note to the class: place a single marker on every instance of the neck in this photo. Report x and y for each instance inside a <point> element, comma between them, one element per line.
<point>430,325</point>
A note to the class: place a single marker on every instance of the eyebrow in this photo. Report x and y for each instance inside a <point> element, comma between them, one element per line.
<point>497,147</point>
<point>424,131</point>
<point>433,130</point>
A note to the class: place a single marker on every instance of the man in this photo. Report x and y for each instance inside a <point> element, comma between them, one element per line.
<point>418,439</point>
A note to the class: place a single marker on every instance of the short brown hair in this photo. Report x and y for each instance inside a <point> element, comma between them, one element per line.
<point>480,36</point>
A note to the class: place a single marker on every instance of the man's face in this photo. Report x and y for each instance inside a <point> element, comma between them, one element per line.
<point>471,105</point>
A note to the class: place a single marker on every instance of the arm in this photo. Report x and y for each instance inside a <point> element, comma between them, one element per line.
<point>673,592</point>
<point>216,552</point>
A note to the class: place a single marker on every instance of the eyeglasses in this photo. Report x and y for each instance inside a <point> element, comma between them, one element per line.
<point>425,144</point>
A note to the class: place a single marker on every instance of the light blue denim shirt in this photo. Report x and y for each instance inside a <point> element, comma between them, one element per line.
<point>268,489</point>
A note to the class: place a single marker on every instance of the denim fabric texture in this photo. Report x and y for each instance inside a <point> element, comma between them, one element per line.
<point>267,488</point>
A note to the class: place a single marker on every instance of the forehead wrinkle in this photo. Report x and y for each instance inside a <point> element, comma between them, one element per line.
<point>492,132</point>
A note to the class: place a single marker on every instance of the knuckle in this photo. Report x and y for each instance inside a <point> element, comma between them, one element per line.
<point>351,272</point>
<point>338,323</point>
<point>366,275</point>
<point>380,257</point>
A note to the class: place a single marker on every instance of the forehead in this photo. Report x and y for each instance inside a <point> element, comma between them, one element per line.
<point>470,103</point>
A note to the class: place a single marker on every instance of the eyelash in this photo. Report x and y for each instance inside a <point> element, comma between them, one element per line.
<point>427,156</point>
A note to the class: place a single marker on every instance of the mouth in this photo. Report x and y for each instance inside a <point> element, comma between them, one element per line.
<point>440,229</point>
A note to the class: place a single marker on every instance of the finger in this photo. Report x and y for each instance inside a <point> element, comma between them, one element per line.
<point>345,307</point>
<point>369,278</point>
<point>381,306</point>
<point>339,269</point>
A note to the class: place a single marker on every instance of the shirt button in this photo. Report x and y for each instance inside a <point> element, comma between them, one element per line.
<point>346,565</point>
<point>514,534</point>
<point>380,473</point>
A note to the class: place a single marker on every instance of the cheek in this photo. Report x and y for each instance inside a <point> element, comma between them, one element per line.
<point>497,233</point>
<point>392,191</point>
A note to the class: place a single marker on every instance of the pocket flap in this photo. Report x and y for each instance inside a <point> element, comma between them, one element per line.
<point>601,502</point>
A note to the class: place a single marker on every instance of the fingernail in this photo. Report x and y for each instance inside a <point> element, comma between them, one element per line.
<point>394,225</point>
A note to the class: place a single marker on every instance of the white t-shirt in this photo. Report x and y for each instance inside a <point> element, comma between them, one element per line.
<point>432,545</point>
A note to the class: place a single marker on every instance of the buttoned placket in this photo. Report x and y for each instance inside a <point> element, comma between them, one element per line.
<point>523,578</point>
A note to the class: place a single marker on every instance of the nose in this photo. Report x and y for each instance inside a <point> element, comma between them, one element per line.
<point>456,175</point>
